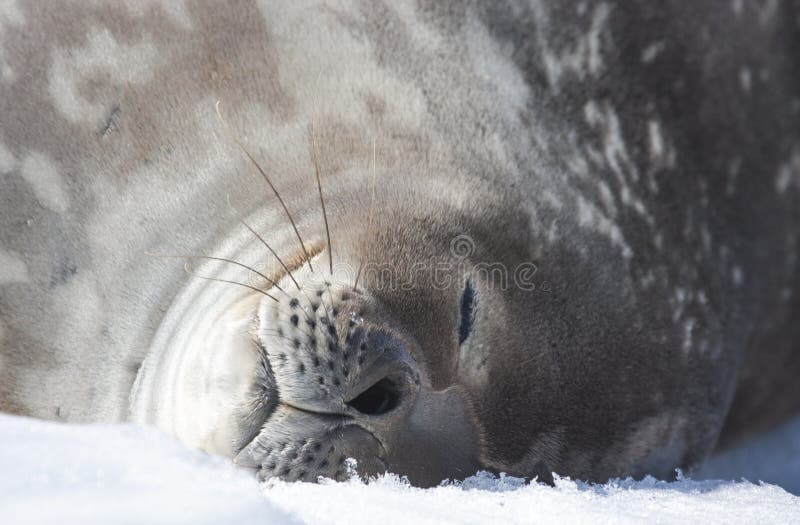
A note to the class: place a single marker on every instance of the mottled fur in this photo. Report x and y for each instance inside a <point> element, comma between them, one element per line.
<point>646,156</point>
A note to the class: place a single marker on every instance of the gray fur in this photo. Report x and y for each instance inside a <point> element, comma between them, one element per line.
<point>644,156</point>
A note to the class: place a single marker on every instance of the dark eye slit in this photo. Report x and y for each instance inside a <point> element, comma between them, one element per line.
<point>467,312</point>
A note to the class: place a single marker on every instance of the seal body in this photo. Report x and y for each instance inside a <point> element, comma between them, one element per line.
<point>580,253</point>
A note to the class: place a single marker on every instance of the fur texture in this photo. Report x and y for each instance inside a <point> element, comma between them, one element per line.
<point>645,157</point>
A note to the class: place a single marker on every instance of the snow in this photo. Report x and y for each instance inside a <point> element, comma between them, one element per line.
<point>58,473</point>
<point>773,457</point>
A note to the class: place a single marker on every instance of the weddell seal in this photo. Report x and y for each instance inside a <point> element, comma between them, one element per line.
<point>434,237</point>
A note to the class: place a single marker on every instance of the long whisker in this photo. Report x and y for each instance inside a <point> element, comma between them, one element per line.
<point>280,261</point>
<point>221,259</point>
<point>259,290</point>
<point>269,182</point>
<point>319,183</point>
<point>371,209</point>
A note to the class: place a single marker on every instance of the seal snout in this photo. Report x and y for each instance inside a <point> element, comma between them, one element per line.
<point>344,381</point>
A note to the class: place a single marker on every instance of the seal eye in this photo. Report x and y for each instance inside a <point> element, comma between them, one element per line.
<point>467,312</point>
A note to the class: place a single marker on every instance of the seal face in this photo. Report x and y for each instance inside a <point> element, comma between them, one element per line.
<point>349,386</point>
<point>431,237</point>
<point>299,377</point>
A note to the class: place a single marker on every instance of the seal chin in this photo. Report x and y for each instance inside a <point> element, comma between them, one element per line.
<point>297,445</point>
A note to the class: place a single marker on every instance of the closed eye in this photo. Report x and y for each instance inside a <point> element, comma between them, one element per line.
<point>467,312</point>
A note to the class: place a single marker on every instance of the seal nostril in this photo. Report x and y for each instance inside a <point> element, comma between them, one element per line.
<point>380,398</point>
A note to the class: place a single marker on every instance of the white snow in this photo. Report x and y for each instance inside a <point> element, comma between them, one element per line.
<point>65,474</point>
<point>57,473</point>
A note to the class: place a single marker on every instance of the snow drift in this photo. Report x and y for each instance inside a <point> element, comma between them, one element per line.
<point>57,473</point>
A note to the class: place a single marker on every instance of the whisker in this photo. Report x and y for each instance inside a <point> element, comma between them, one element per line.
<point>266,178</point>
<point>221,259</point>
<point>371,208</point>
<point>330,295</point>
<point>186,269</point>
<point>316,170</point>
<point>280,261</point>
